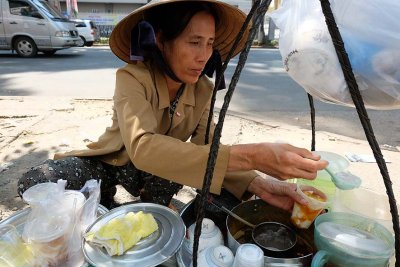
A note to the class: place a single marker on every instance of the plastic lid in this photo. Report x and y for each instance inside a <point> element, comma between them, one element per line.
<point>40,192</point>
<point>353,240</point>
<point>222,256</point>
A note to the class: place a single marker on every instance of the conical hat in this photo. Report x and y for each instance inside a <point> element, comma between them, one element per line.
<point>230,18</point>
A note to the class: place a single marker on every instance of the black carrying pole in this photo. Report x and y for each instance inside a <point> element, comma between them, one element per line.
<point>362,113</point>
<point>258,10</point>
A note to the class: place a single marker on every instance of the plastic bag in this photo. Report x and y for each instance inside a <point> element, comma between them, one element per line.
<point>368,29</point>
<point>87,214</point>
<point>57,220</point>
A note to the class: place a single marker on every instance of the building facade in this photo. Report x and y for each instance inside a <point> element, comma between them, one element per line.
<point>107,13</point>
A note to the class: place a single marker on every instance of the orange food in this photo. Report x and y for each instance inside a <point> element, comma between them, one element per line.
<point>314,196</point>
<point>303,215</point>
<point>307,216</point>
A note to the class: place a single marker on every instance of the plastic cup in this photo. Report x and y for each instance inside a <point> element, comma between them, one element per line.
<point>210,236</point>
<point>249,255</point>
<point>73,201</point>
<point>304,215</point>
<point>9,234</point>
<point>49,235</point>
<point>13,250</point>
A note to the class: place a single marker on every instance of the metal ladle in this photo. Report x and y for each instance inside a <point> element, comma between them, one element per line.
<point>273,237</point>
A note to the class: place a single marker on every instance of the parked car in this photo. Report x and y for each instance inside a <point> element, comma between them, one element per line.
<point>31,26</point>
<point>88,31</point>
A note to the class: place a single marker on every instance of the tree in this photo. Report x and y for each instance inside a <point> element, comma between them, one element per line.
<point>261,32</point>
<point>261,39</point>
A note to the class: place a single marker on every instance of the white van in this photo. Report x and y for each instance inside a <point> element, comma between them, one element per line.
<point>31,26</point>
<point>88,31</point>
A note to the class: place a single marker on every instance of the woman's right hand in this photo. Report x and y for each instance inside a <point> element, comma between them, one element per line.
<point>282,161</point>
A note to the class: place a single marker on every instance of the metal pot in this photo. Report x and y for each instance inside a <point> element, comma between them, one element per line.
<point>257,211</point>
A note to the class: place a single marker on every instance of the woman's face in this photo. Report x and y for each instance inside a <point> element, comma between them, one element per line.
<point>189,52</point>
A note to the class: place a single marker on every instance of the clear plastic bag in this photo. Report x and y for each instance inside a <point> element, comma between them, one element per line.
<point>368,29</point>
<point>57,220</point>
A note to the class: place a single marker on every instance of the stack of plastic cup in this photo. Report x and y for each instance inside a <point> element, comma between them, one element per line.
<point>216,256</point>
<point>249,255</point>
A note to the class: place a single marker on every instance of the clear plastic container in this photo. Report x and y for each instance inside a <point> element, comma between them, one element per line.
<point>346,239</point>
<point>49,235</point>
<point>365,202</point>
<point>14,252</point>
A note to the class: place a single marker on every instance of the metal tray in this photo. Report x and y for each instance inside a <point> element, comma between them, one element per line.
<point>150,251</point>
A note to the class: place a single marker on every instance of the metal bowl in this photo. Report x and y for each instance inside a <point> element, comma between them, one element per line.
<point>274,238</point>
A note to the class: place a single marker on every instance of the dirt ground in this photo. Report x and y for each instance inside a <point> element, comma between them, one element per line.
<point>32,129</point>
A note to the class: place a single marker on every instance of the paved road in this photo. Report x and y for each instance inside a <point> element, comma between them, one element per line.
<point>264,92</point>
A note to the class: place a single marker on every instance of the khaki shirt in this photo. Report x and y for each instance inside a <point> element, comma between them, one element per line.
<point>143,132</point>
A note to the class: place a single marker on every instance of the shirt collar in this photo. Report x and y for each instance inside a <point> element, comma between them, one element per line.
<point>187,96</point>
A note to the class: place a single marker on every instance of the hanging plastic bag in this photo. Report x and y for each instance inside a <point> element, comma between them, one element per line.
<point>371,41</point>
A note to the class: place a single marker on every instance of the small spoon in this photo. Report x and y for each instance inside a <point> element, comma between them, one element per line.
<point>344,180</point>
<point>237,217</point>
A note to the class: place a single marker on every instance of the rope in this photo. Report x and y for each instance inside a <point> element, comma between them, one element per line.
<point>261,7</point>
<point>362,113</point>
<point>312,113</point>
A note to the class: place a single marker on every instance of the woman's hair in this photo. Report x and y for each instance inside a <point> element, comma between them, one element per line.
<point>173,18</point>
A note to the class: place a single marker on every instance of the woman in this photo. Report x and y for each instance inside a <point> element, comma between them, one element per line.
<point>161,100</point>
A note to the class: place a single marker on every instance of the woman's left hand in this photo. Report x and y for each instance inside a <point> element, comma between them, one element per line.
<point>279,193</point>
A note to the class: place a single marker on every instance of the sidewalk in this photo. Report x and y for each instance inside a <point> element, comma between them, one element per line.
<point>32,129</point>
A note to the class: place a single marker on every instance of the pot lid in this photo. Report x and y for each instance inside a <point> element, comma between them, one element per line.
<point>150,251</point>
<point>355,235</point>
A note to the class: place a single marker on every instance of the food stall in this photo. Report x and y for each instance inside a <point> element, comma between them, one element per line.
<point>166,245</point>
